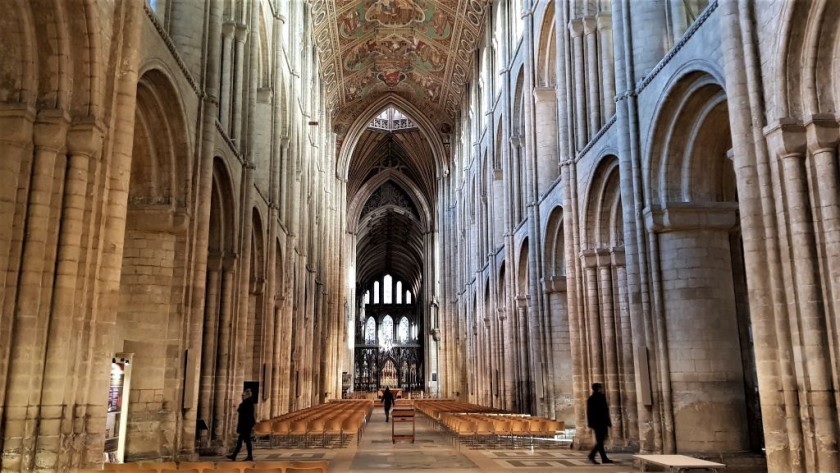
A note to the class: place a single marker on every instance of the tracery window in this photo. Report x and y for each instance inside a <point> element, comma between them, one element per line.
<point>391,119</point>
<point>370,331</point>
<point>386,331</point>
<point>402,331</point>
<point>387,286</point>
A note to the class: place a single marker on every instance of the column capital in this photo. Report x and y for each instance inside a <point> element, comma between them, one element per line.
<point>589,258</point>
<point>228,28</point>
<point>576,28</point>
<point>553,284</point>
<point>590,25</point>
<point>85,137</point>
<point>822,132</point>
<point>545,95</point>
<point>617,255</point>
<point>786,137</point>
<point>241,33</point>
<point>604,21</point>
<point>682,216</point>
<point>51,129</point>
<point>16,123</point>
<point>522,302</point>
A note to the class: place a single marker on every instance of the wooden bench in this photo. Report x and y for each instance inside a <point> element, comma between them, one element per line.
<point>677,463</point>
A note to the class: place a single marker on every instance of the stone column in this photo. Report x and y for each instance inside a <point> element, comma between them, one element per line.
<point>609,338</point>
<point>526,374</point>
<point>210,331</point>
<point>223,400</point>
<point>624,345</point>
<point>28,340</point>
<point>810,335</point>
<point>548,163</point>
<point>593,82</point>
<point>228,29</point>
<point>578,71</point>
<point>701,332</point>
<point>57,419</point>
<point>605,48</point>
<point>591,320</point>
<point>238,100</point>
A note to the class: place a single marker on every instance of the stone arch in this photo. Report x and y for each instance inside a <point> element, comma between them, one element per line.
<point>354,210</point>
<point>692,209</point>
<point>603,222</point>
<point>264,50</point>
<point>689,145</point>
<point>555,244</point>
<point>19,67</point>
<point>517,141</point>
<point>547,53</point>
<point>156,245</point>
<point>160,156</point>
<point>809,60</point>
<point>425,125</point>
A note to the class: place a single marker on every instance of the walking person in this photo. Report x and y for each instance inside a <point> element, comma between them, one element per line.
<point>244,425</point>
<point>387,401</point>
<point>598,419</point>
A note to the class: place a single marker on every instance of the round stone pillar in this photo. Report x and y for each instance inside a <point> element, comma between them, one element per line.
<point>698,300</point>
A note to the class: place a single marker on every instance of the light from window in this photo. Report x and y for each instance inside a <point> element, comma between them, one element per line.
<point>403,331</point>
<point>386,292</point>
<point>386,330</point>
<point>370,331</point>
<point>408,297</point>
<point>376,292</point>
<point>399,292</point>
<point>367,297</point>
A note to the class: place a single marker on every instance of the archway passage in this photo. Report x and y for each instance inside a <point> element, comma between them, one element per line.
<point>390,190</point>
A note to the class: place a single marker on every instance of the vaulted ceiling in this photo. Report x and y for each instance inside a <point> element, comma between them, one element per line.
<point>419,49</point>
<point>422,52</point>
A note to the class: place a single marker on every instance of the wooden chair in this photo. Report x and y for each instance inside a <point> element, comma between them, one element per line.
<point>158,466</point>
<point>307,467</point>
<point>280,430</point>
<point>263,433</point>
<point>264,470</point>
<point>200,466</point>
<point>121,466</point>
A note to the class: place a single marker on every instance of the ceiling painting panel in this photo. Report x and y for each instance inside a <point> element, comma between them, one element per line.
<point>421,49</point>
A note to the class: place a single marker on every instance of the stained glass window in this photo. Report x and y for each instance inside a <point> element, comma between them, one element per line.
<point>370,331</point>
<point>403,330</point>
<point>386,330</point>
<point>387,285</point>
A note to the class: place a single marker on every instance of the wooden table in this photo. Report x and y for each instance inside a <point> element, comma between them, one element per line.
<point>677,463</point>
<point>401,415</point>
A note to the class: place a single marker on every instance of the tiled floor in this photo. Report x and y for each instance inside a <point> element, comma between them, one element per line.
<point>433,452</point>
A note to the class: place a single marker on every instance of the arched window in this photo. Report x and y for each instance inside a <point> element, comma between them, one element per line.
<point>387,287</point>
<point>367,297</point>
<point>402,331</point>
<point>376,292</point>
<point>386,331</point>
<point>399,293</point>
<point>408,297</point>
<point>370,331</point>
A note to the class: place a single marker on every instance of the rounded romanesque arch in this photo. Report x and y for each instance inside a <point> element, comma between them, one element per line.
<point>692,209</point>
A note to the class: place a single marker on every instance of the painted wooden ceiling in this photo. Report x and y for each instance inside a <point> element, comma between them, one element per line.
<point>419,49</point>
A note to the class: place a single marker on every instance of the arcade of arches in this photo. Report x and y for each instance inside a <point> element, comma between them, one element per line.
<point>496,201</point>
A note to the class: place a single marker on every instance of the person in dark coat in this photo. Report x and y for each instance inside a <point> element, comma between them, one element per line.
<point>387,401</point>
<point>598,419</point>
<point>244,425</point>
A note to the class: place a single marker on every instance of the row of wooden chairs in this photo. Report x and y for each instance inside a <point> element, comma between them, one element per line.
<point>331,424</point>
<point>434,408</point>
<point>220,467</point>
<point>502,429</point>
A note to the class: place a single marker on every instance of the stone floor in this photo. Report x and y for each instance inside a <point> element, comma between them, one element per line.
<point>432,451</point>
